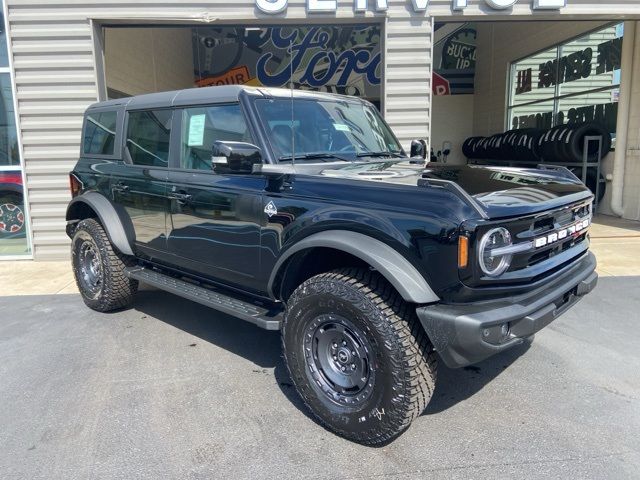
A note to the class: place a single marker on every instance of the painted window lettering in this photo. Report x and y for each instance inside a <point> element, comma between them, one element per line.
<point>317,6</point>
<point>323,65</point>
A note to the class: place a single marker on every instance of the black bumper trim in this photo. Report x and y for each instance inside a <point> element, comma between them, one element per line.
<point>466,334</point>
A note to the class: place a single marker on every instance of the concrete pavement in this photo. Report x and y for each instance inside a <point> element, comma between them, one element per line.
<point>171,389</point>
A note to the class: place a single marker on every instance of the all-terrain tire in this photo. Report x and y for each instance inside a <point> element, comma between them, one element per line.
<point>99,269</point>
<point>402,361</point>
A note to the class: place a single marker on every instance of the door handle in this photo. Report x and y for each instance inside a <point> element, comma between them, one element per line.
<point>121,188</point>
<point>180,197</point>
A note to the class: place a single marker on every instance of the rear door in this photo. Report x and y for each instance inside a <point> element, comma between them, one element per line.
<point>138,185</point>
<point>214,224</point>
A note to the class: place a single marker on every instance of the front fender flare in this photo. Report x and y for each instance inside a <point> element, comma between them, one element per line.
<point>117,226</point>
<point>405,278</point>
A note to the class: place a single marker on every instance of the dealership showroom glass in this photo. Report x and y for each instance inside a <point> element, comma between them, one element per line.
<point>445,71</point>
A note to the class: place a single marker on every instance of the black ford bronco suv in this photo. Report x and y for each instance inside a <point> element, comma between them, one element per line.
<point>301,212</point>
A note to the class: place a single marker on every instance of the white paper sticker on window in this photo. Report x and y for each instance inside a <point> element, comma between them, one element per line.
<point>196,131</point>
<point>341,127</point>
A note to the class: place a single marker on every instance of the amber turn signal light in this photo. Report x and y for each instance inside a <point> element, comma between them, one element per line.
<point>463,251</point>
<point>75,185</point>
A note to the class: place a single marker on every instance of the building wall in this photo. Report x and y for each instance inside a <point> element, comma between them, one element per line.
<point>453,122</point>
<point>161,60</point>
<point>631,193</point>
<point>58,60</point>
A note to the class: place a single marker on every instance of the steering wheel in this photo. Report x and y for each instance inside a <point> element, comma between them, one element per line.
<point>347,148</point>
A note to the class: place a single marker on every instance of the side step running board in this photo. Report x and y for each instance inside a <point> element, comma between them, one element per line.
<point>256,314</point>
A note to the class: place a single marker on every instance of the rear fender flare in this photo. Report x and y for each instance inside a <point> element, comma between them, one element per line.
<point>394,267</point>
<point>118,226</point>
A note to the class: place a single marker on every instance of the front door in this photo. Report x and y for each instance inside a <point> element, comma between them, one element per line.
<point>214,223</point>
<point>138,185</point>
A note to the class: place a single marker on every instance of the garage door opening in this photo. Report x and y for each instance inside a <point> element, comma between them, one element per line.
<point>522,90</point>
<point>342,59</point>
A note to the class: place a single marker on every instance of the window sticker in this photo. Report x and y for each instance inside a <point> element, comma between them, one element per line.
<point>341,127</point>
<point>196,131</point>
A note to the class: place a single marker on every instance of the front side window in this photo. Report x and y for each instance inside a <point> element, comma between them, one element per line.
<point>99,133</point>
<point>203,126</point>
<point>315,127</point>
<point>148,135</point>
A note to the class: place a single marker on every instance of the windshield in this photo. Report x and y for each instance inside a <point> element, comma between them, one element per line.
<point>325,130</point>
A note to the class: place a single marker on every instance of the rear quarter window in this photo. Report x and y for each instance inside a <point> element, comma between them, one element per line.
<point>98,137</point>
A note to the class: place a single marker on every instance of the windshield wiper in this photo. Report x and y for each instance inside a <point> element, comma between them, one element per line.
<point>315,156</point>
<point>381,154</point>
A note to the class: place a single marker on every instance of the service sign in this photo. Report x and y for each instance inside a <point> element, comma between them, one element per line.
<point>330,6</point>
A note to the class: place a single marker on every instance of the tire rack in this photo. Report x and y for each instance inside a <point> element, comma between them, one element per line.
<point>584,166</point>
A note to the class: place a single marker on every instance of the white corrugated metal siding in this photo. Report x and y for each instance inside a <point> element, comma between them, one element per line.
<point>55,66</point>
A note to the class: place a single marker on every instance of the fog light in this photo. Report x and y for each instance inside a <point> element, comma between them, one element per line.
<point>497,334</point>
<point>504,331</point>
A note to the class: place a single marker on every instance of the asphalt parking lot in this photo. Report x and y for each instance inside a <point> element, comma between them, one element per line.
<point>170,389</point>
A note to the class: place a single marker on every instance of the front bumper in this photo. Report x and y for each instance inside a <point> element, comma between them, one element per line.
<point>469,333</point>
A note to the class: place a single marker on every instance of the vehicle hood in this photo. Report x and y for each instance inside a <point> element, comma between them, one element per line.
<point>497,191</point>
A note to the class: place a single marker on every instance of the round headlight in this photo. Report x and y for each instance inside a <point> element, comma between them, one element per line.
<point>491,263</point>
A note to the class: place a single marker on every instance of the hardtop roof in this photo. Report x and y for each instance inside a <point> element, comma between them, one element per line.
<point>206,95</point>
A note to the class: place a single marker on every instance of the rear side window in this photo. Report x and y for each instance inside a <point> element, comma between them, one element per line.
<point>99,133</point>
<point>148,134</point>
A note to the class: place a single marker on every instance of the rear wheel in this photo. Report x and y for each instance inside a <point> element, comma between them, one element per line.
<point>12,221</point>
<point>99,269</point>
<point>357,355</point>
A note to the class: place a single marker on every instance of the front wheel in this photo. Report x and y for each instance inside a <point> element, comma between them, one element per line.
<point>99,269</point>
<point>357,355</point>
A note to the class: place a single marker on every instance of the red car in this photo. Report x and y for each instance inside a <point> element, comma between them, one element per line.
<point>12,221</point>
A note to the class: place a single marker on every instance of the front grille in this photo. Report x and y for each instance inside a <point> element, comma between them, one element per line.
<point>544,225</point>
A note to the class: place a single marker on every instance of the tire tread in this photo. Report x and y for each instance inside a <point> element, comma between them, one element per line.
<point>415,363</point>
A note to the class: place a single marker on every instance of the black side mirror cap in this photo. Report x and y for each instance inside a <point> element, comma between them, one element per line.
<point>418,149</point>
<point>234,157</point>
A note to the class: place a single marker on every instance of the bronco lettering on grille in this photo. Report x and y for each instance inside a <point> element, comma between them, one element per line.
<point>561,234</point>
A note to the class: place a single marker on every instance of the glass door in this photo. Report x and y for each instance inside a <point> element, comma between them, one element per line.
<point>14,238</point>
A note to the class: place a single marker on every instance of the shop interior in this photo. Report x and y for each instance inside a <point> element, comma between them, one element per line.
<point>488,78</point>
<point>508,88</point>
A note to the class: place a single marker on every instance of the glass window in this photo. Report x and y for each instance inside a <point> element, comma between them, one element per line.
<point>203,126</point>
<point>4,53</point>
<point>148,134</point>
<point>577,81</point>
<point>9,154</point>
<point>99,133</point>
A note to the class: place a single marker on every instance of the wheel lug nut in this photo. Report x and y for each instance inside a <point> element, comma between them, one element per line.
<point>353,366</point>
<point>335,357</point>
<point>335,345</point>
<point>344,343</point>
<point>353,352</point>
<point>343,368</point>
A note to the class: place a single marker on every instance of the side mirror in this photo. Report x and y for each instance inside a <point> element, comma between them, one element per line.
<point>418,149</point>
<point>234,157</point>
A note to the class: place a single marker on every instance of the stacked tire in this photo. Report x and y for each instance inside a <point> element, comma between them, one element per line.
<point>560,144</point>
<point>564,143</point>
